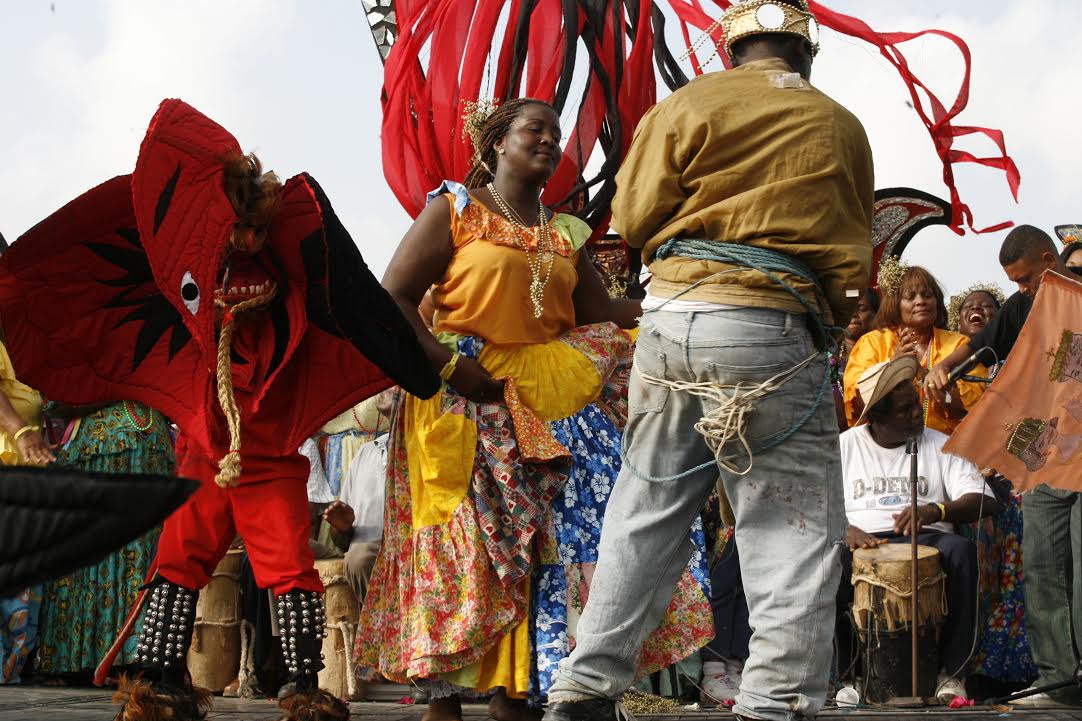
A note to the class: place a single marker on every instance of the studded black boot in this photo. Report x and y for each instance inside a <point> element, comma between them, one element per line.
<point>301,623</point>
<point>163,686</point>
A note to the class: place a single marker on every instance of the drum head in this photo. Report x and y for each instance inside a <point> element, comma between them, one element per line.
<point>894,552</point>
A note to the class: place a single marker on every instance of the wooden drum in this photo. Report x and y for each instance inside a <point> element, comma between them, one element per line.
<point>343,612</point>
<point>214,657</point>
<point>882,615</point>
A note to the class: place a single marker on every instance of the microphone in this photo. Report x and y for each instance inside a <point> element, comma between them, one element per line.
<point>911,445</point>
<point>970,363</point>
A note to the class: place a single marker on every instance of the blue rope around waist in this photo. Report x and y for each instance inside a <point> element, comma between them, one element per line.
<point>769,263</point>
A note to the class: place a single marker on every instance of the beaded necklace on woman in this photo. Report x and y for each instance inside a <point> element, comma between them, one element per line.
<point>140,424</point>
<point>926,363</point>
<point>545,247</point>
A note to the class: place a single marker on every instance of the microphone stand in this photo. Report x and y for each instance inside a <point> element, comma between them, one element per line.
<point>1076,681</point>
<point>911,451</point>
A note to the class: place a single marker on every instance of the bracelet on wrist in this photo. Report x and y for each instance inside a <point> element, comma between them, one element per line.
<point>449,368</point>
<point>24,430</point>
<point>942,512</point>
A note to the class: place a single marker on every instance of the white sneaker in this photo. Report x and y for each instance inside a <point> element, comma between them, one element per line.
<point>1040,699</point>
<point>721,681</point>
<point>947,687</point>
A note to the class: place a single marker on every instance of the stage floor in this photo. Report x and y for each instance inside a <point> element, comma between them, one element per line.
<point>77,704</point>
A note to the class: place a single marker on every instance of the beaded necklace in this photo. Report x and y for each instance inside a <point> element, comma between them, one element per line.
<point>545,248</point>
<point>140,424</point>
<point>363,428</point>
<point>927,363</point>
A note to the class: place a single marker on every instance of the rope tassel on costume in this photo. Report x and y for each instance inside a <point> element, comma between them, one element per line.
<point>229,465</point>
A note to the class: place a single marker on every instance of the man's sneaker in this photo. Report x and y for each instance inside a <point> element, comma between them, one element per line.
<point>594,709</point>
<point>721,681</point>
<point>1039,699</point>
<point>947,687</point>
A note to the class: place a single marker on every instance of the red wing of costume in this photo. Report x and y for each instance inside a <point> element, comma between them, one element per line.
<point>139,289</point>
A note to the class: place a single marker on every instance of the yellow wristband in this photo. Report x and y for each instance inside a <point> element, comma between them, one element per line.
<point>448,370</point>
<point>942,511</point>
<point>24,430</point>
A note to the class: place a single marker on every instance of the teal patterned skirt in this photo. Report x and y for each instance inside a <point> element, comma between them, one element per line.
<point>82,613</point>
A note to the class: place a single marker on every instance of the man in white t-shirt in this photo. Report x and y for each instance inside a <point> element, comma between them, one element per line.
<point>875,469</point>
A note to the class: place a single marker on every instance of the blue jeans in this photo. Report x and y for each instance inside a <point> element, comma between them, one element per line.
<point>790,514</point>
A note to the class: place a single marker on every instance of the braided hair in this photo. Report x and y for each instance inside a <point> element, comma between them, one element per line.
<point>493,129</point>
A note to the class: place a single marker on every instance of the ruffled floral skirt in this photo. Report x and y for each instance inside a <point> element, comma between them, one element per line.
<point>492,522</point>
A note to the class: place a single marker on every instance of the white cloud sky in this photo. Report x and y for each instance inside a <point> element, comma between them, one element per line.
<point>299,83</point>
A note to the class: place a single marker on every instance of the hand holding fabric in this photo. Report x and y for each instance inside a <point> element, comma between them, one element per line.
<point>34,449</point>
<point>474,382</point>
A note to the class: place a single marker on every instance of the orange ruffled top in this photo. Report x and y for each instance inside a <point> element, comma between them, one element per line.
<point>486,289</point>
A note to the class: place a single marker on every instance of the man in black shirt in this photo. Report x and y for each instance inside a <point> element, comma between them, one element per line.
<point>1052,553</point>
<point>1026,254</point>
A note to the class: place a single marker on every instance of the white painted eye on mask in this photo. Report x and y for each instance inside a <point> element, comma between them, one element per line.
<point>189,293</point>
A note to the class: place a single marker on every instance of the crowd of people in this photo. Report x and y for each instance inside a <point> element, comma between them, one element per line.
<point>543,530</point>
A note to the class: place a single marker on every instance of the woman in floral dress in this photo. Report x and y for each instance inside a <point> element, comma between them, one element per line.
<point>497,485</point>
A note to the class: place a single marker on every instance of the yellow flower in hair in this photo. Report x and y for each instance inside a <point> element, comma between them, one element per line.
<point>954,308</point>
<point>891,274</point>
<point>474,119</point>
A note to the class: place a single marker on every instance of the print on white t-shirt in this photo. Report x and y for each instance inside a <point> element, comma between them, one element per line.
<point>876,479</point>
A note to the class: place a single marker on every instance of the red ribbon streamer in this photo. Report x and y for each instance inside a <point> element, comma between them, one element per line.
<point>423,99</point>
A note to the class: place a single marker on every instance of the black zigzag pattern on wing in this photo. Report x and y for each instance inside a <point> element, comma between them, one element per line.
<point>139,292</point>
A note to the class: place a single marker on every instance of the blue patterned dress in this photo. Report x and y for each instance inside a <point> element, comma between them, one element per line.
<point>1003,651</point>
<point>577,514</point>
<point>83,612</point>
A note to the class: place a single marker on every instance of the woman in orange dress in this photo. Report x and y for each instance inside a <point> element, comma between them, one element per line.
<point>497,485</point>
<point>912,320</point>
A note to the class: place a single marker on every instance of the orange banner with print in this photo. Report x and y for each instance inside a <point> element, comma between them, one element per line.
<point>1028,424</point>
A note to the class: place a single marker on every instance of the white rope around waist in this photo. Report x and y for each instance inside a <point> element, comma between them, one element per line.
<point>729,420</point>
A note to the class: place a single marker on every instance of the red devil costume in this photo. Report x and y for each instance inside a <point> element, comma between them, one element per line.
<point>240,308</point>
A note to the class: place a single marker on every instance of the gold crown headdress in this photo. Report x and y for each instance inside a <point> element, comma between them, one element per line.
<point>891,274</point>
<point>1069,234</point>
<point>473,122</point>
<point>758,17</point>
<point>954,308</point>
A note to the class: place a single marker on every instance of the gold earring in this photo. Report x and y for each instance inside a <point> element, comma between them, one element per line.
<point>501,151</point>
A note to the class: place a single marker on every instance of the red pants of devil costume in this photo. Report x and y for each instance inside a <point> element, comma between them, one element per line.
<point>268,508</point>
